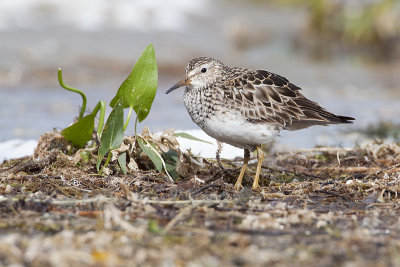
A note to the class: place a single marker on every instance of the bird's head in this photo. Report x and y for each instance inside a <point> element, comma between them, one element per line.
<point>200,72</point>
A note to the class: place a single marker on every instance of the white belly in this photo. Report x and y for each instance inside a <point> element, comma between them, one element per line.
<point>233,129</point>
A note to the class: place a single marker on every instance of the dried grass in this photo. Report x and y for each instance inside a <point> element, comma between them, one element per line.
<point>324,206</point>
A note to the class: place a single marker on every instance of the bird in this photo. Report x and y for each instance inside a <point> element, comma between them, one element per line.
<point>247,108</point>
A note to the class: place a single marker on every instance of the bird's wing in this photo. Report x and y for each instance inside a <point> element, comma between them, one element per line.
<point>262,96</point>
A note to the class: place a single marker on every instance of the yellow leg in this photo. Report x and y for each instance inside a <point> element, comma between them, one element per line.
<point>260,156</point>
<point>246,158</point>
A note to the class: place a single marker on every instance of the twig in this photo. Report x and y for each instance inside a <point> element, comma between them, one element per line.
<point>102,199</point>
<point>292,172</point>
<point>67,202</point>
<point>183,202</point>
<point>33,165</point>
<point>318,149</point>
<point>382,170</point>
<point>214,177</point>
<point>43,176</point>
<point>10,167</point>
<point>182,213</point>
<point>204,188</point>
<point>333,194</point>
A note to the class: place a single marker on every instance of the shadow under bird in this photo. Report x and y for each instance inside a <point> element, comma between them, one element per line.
<point>247,108</point>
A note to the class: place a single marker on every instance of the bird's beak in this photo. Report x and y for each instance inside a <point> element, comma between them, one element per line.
<point>185,81</point>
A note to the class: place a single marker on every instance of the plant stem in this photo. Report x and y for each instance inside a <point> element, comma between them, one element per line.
<point>69,88</point>
<point>102,106</point>
<point>128,118</point>
<point>107,161</point>
<point>136,125</point>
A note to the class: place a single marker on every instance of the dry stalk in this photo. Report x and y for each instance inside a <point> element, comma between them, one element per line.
<point>382,170</point>
<point>180,216</point>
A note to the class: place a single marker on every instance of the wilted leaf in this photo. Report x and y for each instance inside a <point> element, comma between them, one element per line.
<point>80,132</point>
<point>139,89</point>
<point>113,132</point>
<point>191,137</point>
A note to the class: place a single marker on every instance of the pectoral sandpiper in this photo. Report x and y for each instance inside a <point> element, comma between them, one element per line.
<point>247,108</point>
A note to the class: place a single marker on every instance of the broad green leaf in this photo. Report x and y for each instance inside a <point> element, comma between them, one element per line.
<point>151,152</point>
<point>139,89</point>
<point>122,162</point>
<point>80,132</point>
<point>191,137</point>
<point>113,132</point>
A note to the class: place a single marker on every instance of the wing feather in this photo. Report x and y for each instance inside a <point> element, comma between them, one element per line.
<point>262,96</point>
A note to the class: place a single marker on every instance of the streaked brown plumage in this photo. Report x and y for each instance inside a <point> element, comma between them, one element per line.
<point>257,103</point>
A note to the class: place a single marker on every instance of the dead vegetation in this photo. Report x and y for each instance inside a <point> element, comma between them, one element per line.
<point>323,206</point>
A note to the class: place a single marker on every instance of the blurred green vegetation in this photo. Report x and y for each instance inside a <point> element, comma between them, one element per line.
<point>383,130</point>
<point>362,24</point>
<point>356,21</point>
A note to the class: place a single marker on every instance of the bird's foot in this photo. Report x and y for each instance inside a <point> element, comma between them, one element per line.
<point>238,186</point>
<point>255,186</point>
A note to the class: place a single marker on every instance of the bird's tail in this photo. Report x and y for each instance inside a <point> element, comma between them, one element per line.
<point>345,119</point>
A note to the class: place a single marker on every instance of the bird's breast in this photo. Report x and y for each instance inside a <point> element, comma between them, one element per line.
<point>200,105</point>
<point>225,122</point>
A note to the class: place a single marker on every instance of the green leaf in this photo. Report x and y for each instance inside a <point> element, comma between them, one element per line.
<point>139,89</point>
<point>153,227</point>
<point>85,156</point>
<point>80,132</point>
<point>171,160</point>
<point>151,152</point>
<point>191,137</point>
<point>113,132</point>
<point>122,162</point>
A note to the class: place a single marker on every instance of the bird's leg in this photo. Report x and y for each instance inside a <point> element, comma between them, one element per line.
<point>260,156</point>
<point>246,158</point>
<point>218,155</point>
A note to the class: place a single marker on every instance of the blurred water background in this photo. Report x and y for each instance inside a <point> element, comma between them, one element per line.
<point>344,54</point>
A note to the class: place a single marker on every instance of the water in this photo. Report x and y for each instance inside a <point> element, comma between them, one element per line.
<point>97,49</point>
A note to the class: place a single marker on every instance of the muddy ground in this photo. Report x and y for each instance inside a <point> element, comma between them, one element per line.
<point>318,207</point>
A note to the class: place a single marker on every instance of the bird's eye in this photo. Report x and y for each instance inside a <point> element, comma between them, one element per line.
<point>203,70</point>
